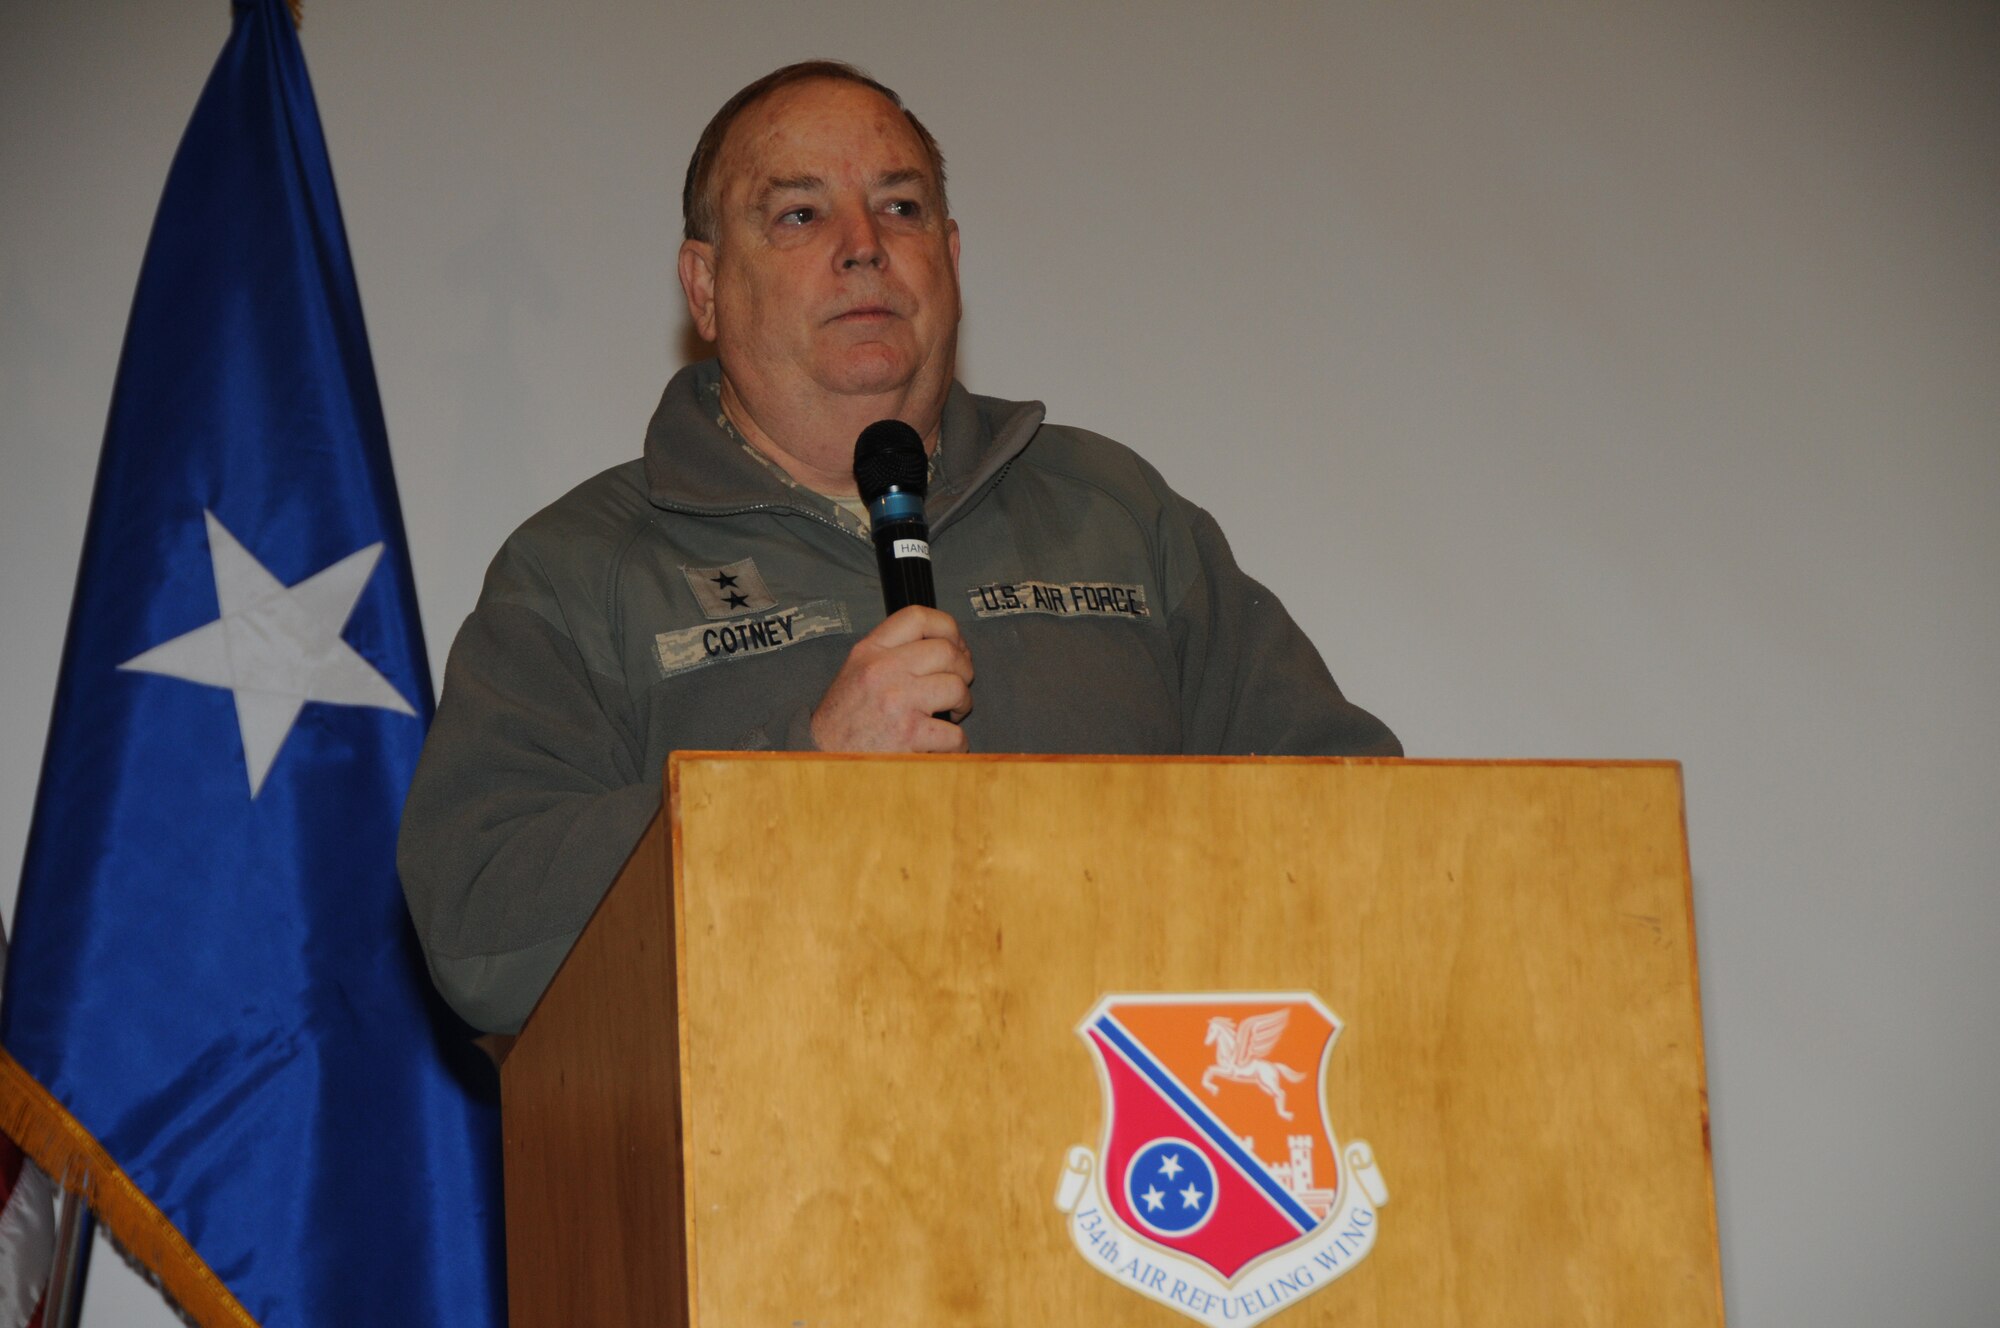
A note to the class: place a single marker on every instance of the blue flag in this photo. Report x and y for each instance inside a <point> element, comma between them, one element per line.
<point>217,1018</point>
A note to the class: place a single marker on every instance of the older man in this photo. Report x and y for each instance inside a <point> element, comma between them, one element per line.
<point>721,591</point>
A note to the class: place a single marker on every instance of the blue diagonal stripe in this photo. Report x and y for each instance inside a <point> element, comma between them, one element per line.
<point>1205,1121</point>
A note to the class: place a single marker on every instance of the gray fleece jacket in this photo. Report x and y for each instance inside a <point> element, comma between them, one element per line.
<point>696,600</point>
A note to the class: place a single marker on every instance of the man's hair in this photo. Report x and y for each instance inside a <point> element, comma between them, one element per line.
<point>698,203</point>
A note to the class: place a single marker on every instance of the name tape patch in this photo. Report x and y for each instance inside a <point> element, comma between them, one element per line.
<point>716,643</point>
<point>1060,599</point>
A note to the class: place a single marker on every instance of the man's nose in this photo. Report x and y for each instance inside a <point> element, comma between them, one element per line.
<point>861,240</point>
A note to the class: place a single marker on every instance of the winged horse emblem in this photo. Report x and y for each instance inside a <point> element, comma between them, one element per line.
<point>1240,1051</point>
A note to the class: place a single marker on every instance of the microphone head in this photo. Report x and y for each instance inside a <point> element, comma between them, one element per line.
<point>890,455</point>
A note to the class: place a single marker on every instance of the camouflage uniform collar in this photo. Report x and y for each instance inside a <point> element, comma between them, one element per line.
<point>696,461</point>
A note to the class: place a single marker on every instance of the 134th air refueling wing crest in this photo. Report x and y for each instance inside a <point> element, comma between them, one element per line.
<point>1219,1188</point>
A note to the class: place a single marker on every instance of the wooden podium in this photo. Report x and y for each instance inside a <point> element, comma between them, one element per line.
<point>816,1060</point>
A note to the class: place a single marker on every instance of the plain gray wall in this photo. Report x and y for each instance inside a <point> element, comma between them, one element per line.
<point>1590,379</point>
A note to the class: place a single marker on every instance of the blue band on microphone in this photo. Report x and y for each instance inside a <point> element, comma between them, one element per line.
<point>897,505</point>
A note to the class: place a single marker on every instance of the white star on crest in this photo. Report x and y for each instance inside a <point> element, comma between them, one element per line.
<point>1154,1199</point>
<point>1171,1167</point>
<point>275,647</point>
<point>1190,1197</point>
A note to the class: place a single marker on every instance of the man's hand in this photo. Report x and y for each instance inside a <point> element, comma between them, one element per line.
<point>912,667</point>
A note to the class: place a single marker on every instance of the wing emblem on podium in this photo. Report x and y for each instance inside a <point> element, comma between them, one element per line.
<point>1218,1187</point>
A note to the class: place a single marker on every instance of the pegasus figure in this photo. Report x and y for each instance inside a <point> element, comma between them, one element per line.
<point>1240,1051</point>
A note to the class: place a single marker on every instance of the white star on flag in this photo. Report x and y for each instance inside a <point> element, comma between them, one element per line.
<point>1171,1168</point>
<point>1154,1199</point>
<point>1190,1197</point>
<point>276,647</point>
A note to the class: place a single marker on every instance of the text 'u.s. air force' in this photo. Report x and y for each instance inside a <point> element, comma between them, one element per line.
<point>1061,599</point>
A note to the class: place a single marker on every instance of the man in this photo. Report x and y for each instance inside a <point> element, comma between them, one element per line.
<point>721,592</point>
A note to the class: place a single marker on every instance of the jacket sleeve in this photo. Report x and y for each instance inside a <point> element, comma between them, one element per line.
<point>1251,682</point>
<point>527,800</point>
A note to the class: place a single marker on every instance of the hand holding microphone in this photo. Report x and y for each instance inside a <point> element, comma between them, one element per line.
<point>905,684</point>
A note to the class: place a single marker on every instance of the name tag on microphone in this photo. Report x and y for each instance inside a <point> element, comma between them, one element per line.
<point>911,548</point>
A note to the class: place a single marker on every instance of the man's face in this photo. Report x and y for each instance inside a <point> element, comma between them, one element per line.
<point>834,270</point>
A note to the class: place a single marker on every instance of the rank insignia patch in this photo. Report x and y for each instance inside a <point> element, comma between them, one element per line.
<point>1218,1187</point>
<point>728,592</point>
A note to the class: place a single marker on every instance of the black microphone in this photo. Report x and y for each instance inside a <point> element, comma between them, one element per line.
<point>893,474</point>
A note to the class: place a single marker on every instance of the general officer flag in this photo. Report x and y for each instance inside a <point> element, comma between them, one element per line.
<point>216,1019</point>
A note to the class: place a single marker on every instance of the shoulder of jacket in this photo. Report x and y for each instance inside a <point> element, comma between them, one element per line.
<point>1172,523</point>
<point>1066,453</point>
<point>576,544</point>
<point>604,508</point>
<point>1064,449</point>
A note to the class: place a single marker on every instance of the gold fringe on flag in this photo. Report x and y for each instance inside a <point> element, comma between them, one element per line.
<point>64,1149</point>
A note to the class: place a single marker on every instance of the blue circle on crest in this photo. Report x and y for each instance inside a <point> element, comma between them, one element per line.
<point>1170,1187</point>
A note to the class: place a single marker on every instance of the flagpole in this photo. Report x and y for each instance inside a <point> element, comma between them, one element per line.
<point>72,1266</point>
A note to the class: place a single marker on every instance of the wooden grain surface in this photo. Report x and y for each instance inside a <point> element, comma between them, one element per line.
<point>590,1096</point>
<point>885,962</point>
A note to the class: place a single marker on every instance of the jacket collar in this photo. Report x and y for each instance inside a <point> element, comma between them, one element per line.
<point>695,463</point>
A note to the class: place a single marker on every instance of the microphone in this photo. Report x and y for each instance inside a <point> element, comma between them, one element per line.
<point>893,474</point>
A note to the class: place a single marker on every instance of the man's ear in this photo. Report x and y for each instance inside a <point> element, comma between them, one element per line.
<point>951,239</point>
<point>697,269</point>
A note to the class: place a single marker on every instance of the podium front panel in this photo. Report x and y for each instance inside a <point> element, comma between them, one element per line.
<point>883,964</point>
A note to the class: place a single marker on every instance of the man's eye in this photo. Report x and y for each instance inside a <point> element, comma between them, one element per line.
<point>797,216</point>
<point>905,207</point>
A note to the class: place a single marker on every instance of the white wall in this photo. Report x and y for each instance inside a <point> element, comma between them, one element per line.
<point>1596,380</point>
